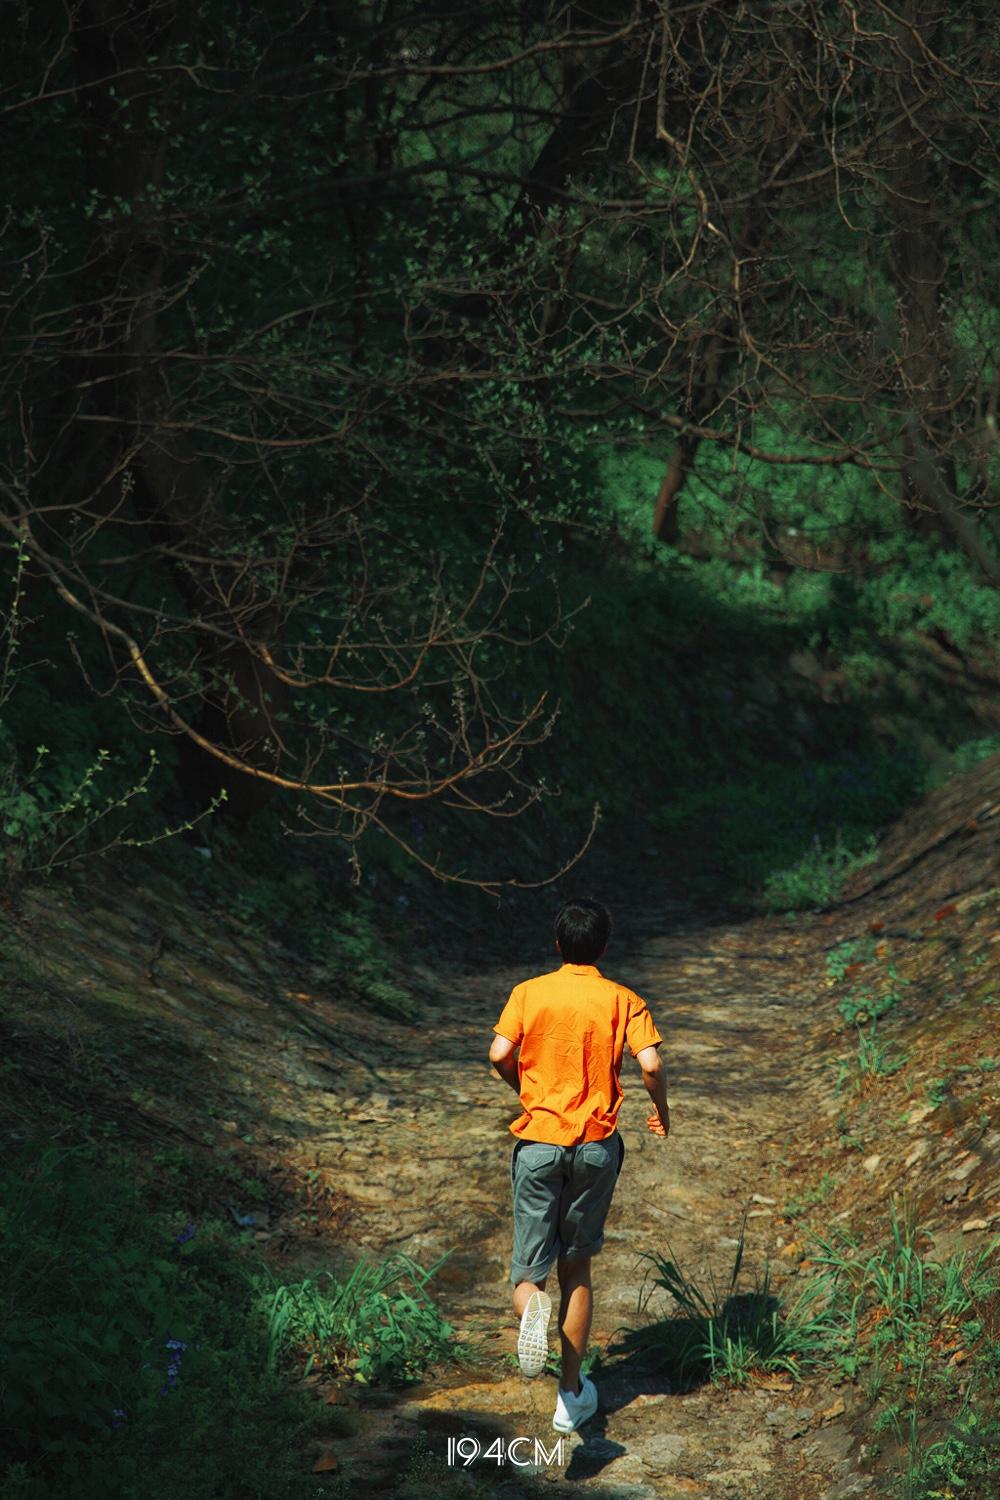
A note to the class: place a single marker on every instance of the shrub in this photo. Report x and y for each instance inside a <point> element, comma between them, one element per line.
<point>817,877</point>
<point>134,1363</point>
<point>380,1324</point>
<point>52,815</point>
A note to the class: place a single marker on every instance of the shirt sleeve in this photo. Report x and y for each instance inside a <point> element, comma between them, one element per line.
<point>639,1029</point>
<point>511,1022</point>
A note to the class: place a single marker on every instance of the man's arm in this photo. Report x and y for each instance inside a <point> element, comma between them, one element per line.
<point>654,1076</point>
<point>503,1056</point>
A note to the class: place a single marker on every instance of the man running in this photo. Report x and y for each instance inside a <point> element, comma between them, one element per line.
<point>559,1044</point>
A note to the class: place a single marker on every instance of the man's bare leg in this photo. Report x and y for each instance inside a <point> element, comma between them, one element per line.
<point>575,1312</point>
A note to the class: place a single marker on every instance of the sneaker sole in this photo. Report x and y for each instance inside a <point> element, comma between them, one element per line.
<point>533,1339</point>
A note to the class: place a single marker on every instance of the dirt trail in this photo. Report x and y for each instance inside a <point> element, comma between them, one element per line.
<point>185,1026</point>
<point>427,1150</point>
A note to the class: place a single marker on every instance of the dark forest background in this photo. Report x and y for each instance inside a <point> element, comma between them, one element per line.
<point>424,423</point>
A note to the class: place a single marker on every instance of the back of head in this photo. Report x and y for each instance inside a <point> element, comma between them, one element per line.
<point>582,930</point>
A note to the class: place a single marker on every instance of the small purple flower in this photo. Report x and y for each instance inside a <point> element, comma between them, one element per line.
<point>176,1348</point>
<point>118,1417</point>
<point>187,1233</point>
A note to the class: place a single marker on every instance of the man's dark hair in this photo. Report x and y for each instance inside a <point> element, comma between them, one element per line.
<point>582,930</point>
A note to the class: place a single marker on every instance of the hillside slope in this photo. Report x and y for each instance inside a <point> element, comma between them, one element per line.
<point>836,1090</point>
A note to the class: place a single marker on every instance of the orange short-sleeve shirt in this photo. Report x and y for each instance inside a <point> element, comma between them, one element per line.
<point>572,1027</point>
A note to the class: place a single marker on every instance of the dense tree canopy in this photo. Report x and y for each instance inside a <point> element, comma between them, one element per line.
<point>321,321</point>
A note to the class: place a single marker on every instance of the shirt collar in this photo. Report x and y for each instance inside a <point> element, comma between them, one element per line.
<point>582,968</point>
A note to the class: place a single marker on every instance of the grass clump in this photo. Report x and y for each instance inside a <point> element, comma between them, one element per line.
<point>379,1324</point>
<point>922,1342</point>
<point>895,1286</point>
<point>883,986</point>
<point>817,877</point>
<point>801,1203</point>
<point>873,1060</point>
<point>722,1334</point>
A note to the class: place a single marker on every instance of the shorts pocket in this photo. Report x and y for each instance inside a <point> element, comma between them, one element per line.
<point>597,1154</point>
<point>534,1156</point>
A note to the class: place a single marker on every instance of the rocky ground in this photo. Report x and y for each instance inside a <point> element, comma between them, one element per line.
<point>397,1136</point>
<point>742,1092</point>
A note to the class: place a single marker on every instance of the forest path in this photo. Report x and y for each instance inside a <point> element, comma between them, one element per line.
<point>424,1146</point>
<point>179,1024</point>
<point>202,1031</point>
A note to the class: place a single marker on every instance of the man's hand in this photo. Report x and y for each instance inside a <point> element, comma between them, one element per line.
<point>656,1125</point>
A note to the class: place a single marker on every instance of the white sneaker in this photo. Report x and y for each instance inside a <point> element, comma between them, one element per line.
<point>572,1411</point>
<point>533,1339</point>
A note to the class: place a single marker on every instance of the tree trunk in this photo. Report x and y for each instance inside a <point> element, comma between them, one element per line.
<point>919,258</point>
<point>126,150</point>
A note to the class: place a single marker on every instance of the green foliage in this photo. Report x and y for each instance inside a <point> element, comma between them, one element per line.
<point>379,1324</point>
<point>427,1478</point>
<point>964,757</point>
<point>357,952</point>
<point>845,956</point>
<point>964,1465</point>
<point>726,1335</point>
<point>135,1361</point>
<point>909,1307</point>
<point>937,1090</point>
<point>882,991</point>
<point>907,585</point>
<point>63,793</point>
<point>801,1203</point>
<point>926,587</point>
<point>339,930</point>
<point>794,829</point>
<point>51,815</point>
<point>817,877</point>
<point>861,1006</point>
<point>873,1059</point>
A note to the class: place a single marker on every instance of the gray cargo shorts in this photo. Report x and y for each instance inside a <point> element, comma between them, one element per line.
<point>561,1198</point>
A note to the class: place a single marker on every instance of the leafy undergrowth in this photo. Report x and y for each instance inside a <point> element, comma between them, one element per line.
<point>134,1360</point>
<point>720,1332</point>
<point>899,1204</point>
<point>146,1354</point>
<point>895,1227</point>
<point>921,1341</point>
<point>379,1323</point>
